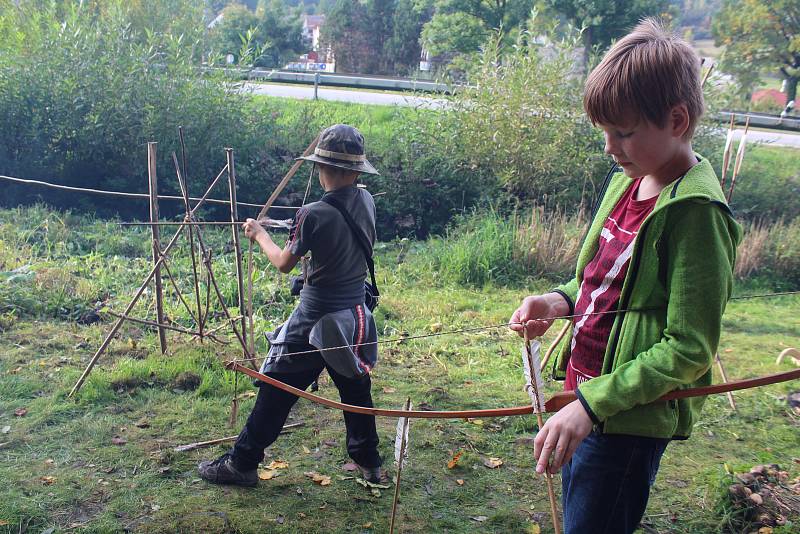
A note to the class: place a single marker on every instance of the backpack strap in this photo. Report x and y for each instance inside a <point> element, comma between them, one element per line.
<point>358,233</point>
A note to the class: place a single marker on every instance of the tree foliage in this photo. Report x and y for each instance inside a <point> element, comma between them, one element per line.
<point>603,21</point>
<point>462,26</point>
<point>374,37</point>
<point>760,35</point>
<point>270,36</point>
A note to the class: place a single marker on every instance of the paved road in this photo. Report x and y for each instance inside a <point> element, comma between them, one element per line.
<point>344,95</point>
<point>774,138</point>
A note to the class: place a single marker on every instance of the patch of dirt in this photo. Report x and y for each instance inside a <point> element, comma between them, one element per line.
<point>133,382</point>
<point>187,381</point>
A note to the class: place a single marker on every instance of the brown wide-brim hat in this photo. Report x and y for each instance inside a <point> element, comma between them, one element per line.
<point>341,146</point>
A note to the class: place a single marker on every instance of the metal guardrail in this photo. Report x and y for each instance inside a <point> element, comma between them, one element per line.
<point>761,120</point>
<point>344,80</point>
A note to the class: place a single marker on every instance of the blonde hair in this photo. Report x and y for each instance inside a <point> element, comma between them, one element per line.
<point>644,75</point>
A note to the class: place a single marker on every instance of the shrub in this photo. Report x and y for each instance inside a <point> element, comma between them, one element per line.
<point>83,86</point>
<point>523,122</point>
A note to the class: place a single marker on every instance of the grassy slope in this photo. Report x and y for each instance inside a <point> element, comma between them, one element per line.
<point>144,486</point>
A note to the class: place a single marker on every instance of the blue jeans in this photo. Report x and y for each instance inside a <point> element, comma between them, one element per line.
<point>606,483</point>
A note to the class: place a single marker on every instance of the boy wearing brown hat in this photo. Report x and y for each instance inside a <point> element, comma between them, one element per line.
<point>652,281</point>
<point>338,231</point>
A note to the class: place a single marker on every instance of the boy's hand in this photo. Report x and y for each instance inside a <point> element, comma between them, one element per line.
<point>560,436</point>
<point>253,229</point>
<point>535,313</point>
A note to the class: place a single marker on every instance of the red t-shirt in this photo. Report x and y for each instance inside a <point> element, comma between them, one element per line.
<point>602,285</point>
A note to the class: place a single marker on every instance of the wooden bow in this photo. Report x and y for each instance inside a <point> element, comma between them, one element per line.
<point>553,404</point>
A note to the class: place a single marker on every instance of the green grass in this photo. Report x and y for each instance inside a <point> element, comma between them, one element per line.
<point>138,395</point>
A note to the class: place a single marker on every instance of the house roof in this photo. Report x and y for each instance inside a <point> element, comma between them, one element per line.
<point>312,21</point>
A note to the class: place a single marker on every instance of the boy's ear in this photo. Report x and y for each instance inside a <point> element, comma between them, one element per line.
<point>679,120</point>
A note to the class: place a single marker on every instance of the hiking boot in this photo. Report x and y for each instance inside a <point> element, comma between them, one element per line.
<point>370,474</point>
<point>222,471</point>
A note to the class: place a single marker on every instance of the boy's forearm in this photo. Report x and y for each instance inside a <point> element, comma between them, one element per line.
<point>558,303</point>
<point>269,247</point>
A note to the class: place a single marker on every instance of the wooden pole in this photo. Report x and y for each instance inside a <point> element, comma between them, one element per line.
<point>119,322</point>
<point>403,430</point>
<point>708,73</point>
<point>151,323</point>
<point>135,299</point>
<point>551,495</point>
<point>211,442</point>
<point>555,344</point>
<point>724,376</point>
<point>737,164</point>
<point>726,153</point>
<point>159,296</point>
<point>237,245</point>
<point>286,179</point>
<point>185,192</point>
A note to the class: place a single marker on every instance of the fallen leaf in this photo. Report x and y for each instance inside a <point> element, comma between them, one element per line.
<point>479,518</point>
<point>368,525</point>
<point>246,395</point>
<point>454,460</point>
<point>534,528</point>
<point>278,464</point>
<point>350,466</point>
<point>47,480</point>
<point>389,390</point>
<point>15,371</point>
<point>728,350</point>
<point>368,484</point>
<point>436,327</point>
<point>375,492</point>
<point>322,480</point>
<point>20,412</point>
<point>478,422</point>
<point>306,450</point>
<point>460,481</point>
<point>116,440</point>
<point>267,474</point>
<point>492,463</point>
<point>301,515</point>
<point>5,430</point>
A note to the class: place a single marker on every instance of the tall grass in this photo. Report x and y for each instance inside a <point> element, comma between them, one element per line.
<point>770,251</point>
<point>487,247</point>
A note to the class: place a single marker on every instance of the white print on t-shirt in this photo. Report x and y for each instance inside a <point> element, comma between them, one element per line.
<point>619,263</point>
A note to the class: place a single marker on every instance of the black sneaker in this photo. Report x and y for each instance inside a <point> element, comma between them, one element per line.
<point>370,474</point>
<point>222,471</point>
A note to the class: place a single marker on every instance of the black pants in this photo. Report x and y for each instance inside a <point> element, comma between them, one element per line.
<point>273,405</point>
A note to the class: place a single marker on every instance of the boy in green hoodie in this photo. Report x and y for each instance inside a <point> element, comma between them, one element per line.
<point>653,277</point>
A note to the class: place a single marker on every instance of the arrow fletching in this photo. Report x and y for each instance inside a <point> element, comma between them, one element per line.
<point>534,384</point>
<point>401,437</point>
